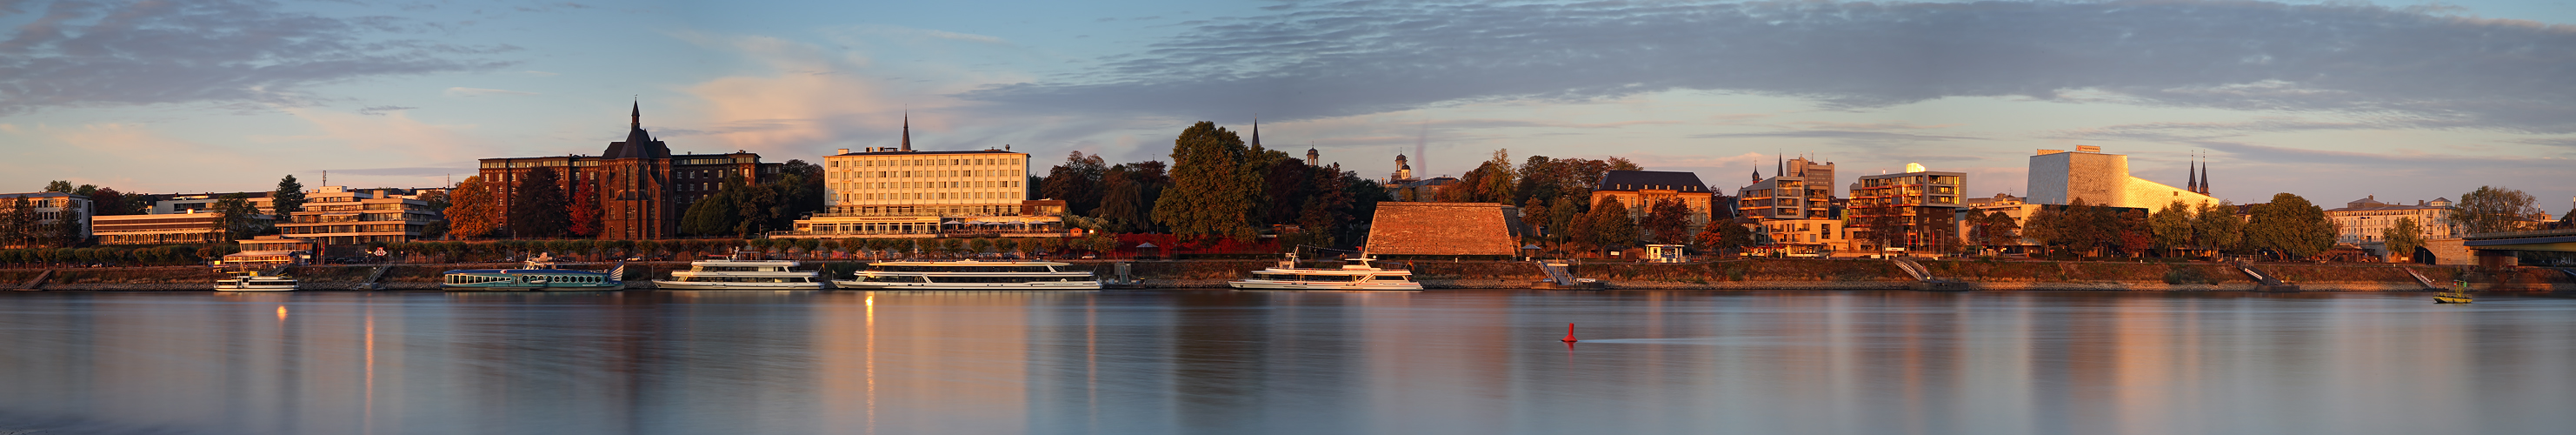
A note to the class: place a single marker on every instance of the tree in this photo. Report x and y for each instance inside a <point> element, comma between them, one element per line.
<point>582,216</point>
<point>472,211</point>
<point>2290,226</point>
<point>2172,226</point>
<point>237,218</point>
<point>1994,228</point>
<point>110,202</point>
<point>2218,228</point>
<point>2492,209</point>
<point>538,210</point>
<point>1885,226</point>
<point>1724,235</point>
<point>710,216</point>
<point>437,200</point>
<point>800,191</point>
<point>1077,182</point>
<point>1213,190</point>
<point>19,227</point>
<point>2403,237</point>
<point>1608,225</point>
<point>58,186</point>
<point>2131,231</point>
<point>1668,222</point>
<point>1127,195</point>
<point>759,207</point>
<point>289,197</point>
<point>1493,181</point>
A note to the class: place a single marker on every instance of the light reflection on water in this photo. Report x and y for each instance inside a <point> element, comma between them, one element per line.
<point>1463,362</point>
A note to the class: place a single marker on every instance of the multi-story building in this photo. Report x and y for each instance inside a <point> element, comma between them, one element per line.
<point>205,202</point>
<point>1819,237</point>
<point>899,192</point>
<point>642,188</point>
<point>1640,190</point>
<point>2365,221</point>
<point>50,208</point>
<point>1803,190</point>
<point>158,229</point>
<point>332,215</point>
<point>2060,177</point>
<point>1914,207</point>
<point>271,251</point>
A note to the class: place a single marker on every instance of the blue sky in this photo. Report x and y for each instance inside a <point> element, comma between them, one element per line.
<point>2332,101</point>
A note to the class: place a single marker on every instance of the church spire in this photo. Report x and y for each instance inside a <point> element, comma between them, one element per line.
<point>2193,176</point>
<point>636,118</point>
<point>907,131</point>
<point>1256,132</point>
<point>2204,176</point>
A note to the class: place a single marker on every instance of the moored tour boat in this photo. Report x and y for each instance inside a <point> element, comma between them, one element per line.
<point>1358,273</point>
<point>254,282</point>
<point>539,274</point>
<point>740,272</point>
<point>2458,294</point>
<point>969,275</point>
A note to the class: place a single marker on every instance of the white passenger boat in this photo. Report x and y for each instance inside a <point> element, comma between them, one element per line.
<point>742,272</point>
<point>539,274</point>
<point>969,275</point>
<point>1357,274</point>
<point>254,282</point>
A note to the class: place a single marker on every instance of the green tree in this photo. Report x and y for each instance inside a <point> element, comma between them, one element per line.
<point>2492,209</point>
<point>238,218</point>
<point>1077,182</point>
<point>1127,195</point>
<point>289,197</point>
<point>2403,237</point>
<point>710,216</point>
<point>1608,225</point>
<point>2218,228</point>
<point>1213,189</point>
<point>2290,226</point>
<point>538,209</point>
<point>59,186</point>
<point>19,227</point>
<point>473,211</point>
<point>2172,226</point>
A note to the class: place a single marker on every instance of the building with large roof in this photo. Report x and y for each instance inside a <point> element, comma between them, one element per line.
<point>1639,190</point>
<point>1442,229</point>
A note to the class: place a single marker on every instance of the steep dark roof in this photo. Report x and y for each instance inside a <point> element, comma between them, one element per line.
<point>1641,180</point>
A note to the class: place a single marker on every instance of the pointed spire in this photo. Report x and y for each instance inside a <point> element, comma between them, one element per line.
<point>1256,132</point>
<point>2192,177</point>
<point>636,118</point>
<point>907,131</point>
<point>2204,175</point>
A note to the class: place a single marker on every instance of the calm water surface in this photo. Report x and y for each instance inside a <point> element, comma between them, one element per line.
<point>1441,362</point>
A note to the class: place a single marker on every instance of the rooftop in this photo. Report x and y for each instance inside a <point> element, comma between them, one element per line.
<point>1651,180</point>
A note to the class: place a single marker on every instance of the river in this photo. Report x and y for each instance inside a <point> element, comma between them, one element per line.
<point>1206,362</point>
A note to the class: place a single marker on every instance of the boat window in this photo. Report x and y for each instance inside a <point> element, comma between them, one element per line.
<point>1391,277</point>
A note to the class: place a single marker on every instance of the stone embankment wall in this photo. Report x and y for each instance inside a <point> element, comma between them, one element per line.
<point>1768,274</point>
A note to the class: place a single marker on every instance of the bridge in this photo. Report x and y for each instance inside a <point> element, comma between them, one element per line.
<point>2496,249</point>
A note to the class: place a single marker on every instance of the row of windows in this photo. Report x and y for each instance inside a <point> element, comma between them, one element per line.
<point>1324,278</point>
<point>844,175</point>
<point>852,163</point>
<point>478,279</point>
<point>938,195</point>
<point>930,184</point>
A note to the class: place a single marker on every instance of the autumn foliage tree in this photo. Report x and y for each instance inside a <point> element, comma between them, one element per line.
<point>584,212</point>
<point>473,210</point>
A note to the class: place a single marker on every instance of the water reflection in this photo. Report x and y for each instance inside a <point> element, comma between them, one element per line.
<point>1470,362</point>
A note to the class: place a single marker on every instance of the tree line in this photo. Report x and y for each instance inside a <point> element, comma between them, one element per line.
<point>548,206</point>
<point>1217,187</point>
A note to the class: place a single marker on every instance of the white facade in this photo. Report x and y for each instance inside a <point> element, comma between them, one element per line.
<point>2059,177</point>
<point>926,183</point>
<point>2366,221</point>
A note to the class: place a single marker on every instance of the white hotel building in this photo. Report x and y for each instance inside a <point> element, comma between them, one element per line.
<point>897,192</point>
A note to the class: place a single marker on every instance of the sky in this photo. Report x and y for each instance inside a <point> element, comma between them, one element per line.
<point>2332,101</point>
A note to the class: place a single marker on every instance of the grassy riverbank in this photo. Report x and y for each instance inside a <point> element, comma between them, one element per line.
<point>1718,275</point>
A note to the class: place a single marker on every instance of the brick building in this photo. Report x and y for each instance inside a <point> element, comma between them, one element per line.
<point>642,188</point>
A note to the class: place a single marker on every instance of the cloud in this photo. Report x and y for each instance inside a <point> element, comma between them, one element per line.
<point>540,73</point>
<point>2569,142</point>
<point>459,168</point>
<point>1361,57</point>
<point>380,110</point>
<point>2193,131</point>
<point>1832,134</point>
<point>901,31</point>
<point>477,92</point>
<point>83,54</point>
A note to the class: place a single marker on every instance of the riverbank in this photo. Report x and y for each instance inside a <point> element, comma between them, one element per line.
<point>1750,274</point>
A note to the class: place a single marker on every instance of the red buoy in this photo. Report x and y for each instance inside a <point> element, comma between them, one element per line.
<point>1569,333</point>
